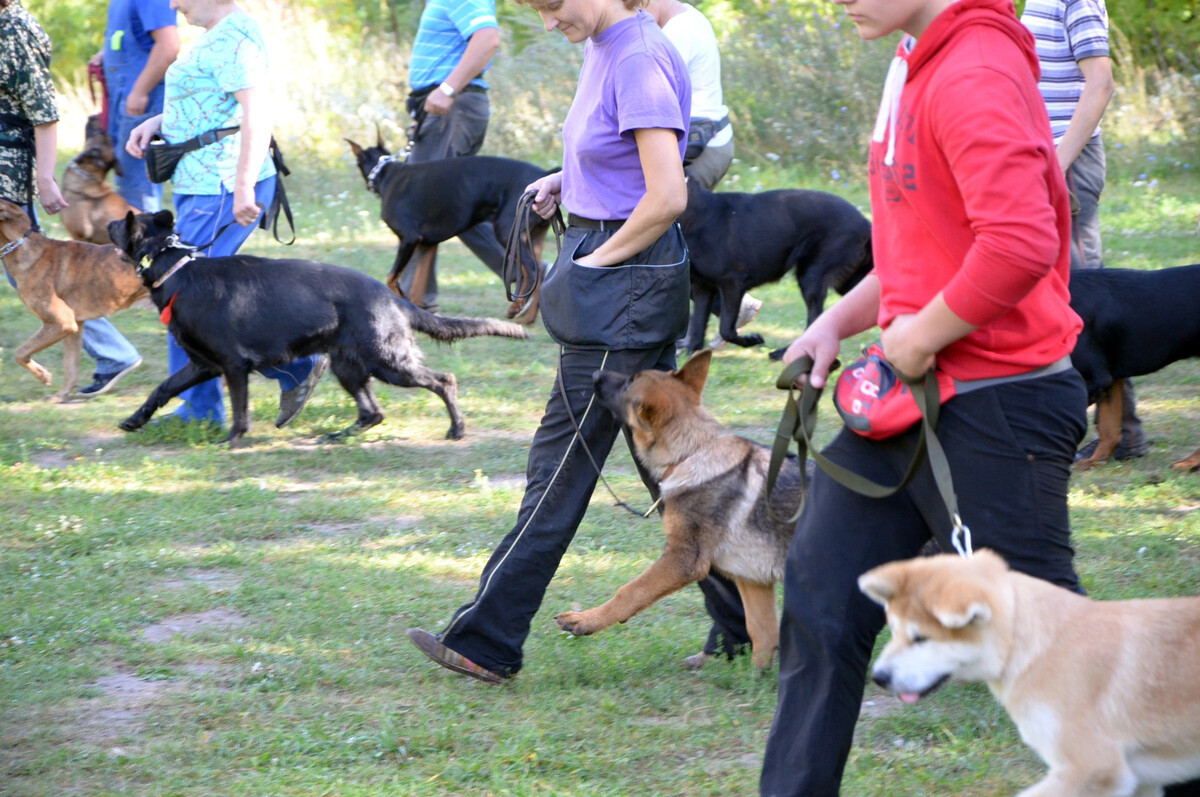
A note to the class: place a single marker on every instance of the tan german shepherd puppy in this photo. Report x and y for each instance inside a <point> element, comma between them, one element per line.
<point>714,502</point>
<point>92,202</point>
<point>1106,692</point>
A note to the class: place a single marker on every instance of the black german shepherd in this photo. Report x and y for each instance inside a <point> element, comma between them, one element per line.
<point>233,315</point>
<point>739,241</point>
<point>428,203</point>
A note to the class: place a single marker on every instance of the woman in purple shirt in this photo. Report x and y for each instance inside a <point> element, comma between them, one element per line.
<point>616,299</point>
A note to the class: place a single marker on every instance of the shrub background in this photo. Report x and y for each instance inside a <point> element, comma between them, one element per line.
<point>801,86</point>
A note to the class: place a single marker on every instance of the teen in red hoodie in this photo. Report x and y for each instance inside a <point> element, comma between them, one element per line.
<point>971,227</point>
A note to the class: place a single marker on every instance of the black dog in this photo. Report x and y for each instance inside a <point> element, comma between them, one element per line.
<point>740,241</point>
<point>427,203</point>
<point>1134,323</point>
<point>235,314</point>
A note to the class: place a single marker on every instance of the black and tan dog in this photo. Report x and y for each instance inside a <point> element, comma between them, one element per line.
<point>428,203</point>
<point>92,201</point>
<point>714,502</point>
<point>739,241</point>
<point>64,283</point>
<point>1134,323</point>
<point>233,315</point>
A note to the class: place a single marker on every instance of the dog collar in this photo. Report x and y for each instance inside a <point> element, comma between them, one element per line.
<point>379,164</point>
<point>183,261</point>
<point>11,246</point>
<point>75,167</point>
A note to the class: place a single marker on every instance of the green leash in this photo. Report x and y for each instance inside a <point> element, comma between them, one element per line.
<point>799,422</point>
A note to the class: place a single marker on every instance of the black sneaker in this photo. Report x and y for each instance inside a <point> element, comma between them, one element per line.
<point>292,401</point>
<point>102,383</point>
<point>1121,452</point>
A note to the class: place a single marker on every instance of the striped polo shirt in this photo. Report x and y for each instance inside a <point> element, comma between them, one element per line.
<point>1066,31</point>
<point>442,36</point>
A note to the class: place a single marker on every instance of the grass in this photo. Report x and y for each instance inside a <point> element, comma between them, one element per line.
<point>180,619</point>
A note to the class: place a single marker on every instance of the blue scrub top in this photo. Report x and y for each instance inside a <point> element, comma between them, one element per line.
<point>127,39</point>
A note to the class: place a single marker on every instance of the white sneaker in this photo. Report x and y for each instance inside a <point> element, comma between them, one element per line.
<point>746,313</point>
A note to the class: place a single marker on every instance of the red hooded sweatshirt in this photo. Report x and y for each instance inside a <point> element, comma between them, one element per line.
<point>967,196</point>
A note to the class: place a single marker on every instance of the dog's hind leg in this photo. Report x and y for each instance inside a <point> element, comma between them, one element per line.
<point>355,381</point>
<point>239,402</point>
<point>72,350</point>
<point>444,385</point>
<point>188,376</point>
<point>731,303</point>
<point>702,301</point>
<point>761,621</point>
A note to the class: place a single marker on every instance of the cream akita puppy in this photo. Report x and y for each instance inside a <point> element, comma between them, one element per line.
<point>1106,692</point>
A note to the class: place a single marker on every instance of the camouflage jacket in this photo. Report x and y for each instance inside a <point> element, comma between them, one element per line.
<point>26,92</point>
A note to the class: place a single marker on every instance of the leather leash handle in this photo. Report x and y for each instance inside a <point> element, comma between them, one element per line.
<point>796,424</point>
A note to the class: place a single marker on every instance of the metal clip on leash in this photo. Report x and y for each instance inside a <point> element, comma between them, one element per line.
<point>799,422</point>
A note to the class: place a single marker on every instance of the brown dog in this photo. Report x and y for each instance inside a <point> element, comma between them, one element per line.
<point>64,283</point>
<point>92,201</point>
<point>714,502</point>
<point>1106,692</point>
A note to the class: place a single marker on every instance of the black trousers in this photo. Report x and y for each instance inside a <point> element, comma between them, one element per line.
<point>491,629</point>
<point>1010,449</point>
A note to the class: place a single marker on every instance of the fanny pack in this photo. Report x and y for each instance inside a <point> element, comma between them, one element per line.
<point>700,132</point>
<point>874,402</point>
<point>162,158</point>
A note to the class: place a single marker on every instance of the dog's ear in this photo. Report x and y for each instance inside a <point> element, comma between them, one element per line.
<point>644,413</point>
<point>378,136</point>
<point>123,232</point>
<point>164,219</point>
<point>355,148</point>
<point>695,371</point>
<point>8,210</point>
<point>962,613</point>
<point>883,583</point>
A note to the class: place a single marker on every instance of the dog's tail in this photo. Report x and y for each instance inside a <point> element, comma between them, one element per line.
<point>446,329</point>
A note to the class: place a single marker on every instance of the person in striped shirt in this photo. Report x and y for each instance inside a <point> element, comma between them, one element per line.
<point>455,42</point>
<point>1076,84</point>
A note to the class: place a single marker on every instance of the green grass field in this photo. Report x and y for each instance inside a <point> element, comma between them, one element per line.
<point>180,619</point>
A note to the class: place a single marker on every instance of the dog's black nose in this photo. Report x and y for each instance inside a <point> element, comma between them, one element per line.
<point>882,677</point>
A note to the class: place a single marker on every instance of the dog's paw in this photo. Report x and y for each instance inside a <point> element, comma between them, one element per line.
<point>455,432</point>
<point>1187,465</point>
<point>577,623</point>
<point>131,424</point>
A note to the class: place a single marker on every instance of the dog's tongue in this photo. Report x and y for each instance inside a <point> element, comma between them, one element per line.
<point>909,697</point>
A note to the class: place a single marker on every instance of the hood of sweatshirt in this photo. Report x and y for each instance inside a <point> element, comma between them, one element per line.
<point>912,55</point>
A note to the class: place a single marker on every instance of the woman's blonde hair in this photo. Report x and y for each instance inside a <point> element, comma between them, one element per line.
<point>541,5</point>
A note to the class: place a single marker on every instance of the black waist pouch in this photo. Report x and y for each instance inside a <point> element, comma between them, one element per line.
<point>162,157</point>
<point>641,303</point>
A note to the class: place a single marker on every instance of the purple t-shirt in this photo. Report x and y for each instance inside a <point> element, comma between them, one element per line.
<point>632,78</point>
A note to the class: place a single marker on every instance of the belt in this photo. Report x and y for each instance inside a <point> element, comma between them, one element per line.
<point>594,224</point>
<point>1058,366</point>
